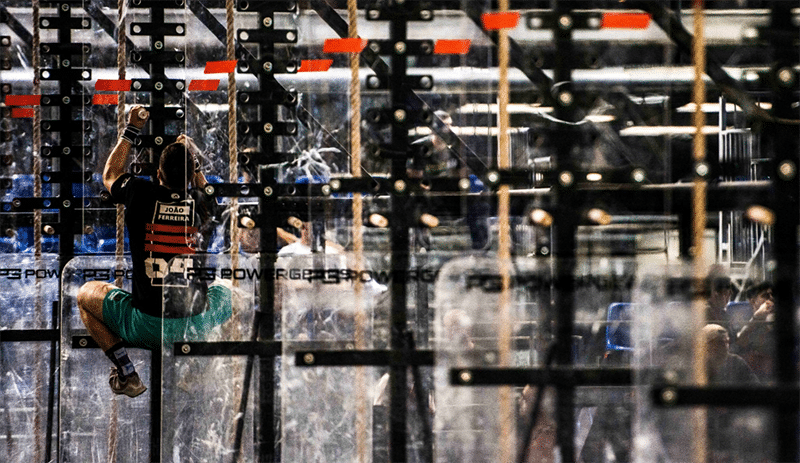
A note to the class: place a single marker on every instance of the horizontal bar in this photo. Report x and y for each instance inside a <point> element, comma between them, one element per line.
<point>363,358</point>
<point>729,396</point>
<point>84,342</point>
<point>28,335</point>
<point>561,376</point>
<point>259,348</point>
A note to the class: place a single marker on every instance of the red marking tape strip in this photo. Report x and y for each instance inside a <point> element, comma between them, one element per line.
<point>496,21</point>
<point>625,21</point>
<point>119,85</point>
<point>203,85</point>
<point>220,67</point>
<point>315,65</point>
<point>23,100</point>
<point>350,45</point>
<point>451,47</point>
<point>105,98</point>
<point>21,112</point>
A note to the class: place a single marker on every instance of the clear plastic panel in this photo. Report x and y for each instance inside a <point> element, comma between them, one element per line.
<point>28,292</point>
<point>206,120</point>
<point>326,303</point>
<point>202,396</point>
<point>97,232</point>
<point>94,423</point>
<point>477,327</point>
<point>28,288</point>
<point>322,145</point>
<point>664,333</point>
<point>472,332</point>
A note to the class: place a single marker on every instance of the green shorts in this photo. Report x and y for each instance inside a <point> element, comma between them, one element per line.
<point>141,330</point>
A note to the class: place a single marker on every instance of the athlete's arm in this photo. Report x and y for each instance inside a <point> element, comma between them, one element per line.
<point>115,164</point>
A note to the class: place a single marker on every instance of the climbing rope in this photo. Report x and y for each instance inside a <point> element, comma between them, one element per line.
<point>37,225</point>
<point>119,249</point>
<point>506,413</point>
<point>362,415</point>
<point>233,176</point>
<point>121,123</point>
<point>699,190</point>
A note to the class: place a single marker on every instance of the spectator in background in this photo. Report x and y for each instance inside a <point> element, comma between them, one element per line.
<point>722,366</point>
<point>719,295</point>
<point>728,435</point>
<point>754,341</point>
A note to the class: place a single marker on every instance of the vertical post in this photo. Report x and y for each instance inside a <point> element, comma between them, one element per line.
<point>786,143</point>
<point>398,386</point>
<point>265,445</point>
<point>565,222</point>
<point>158,129</point>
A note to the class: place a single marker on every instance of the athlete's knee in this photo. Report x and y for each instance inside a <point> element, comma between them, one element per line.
<point>91,294</point>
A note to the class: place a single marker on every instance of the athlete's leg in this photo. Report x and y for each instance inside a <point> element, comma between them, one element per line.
<point>91,297</point>
<point>90,304</point>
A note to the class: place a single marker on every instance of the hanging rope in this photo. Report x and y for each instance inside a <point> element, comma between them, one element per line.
<point>233,149</point>
<point>699,189</point>
<point>362,413</point>
<point>119,249</point>
<point>506,412</point>
<point>235,331</point>
<point>37,227</point>
<point>121,64</point>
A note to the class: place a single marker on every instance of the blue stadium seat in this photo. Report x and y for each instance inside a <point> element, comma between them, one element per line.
<point>618,328</point>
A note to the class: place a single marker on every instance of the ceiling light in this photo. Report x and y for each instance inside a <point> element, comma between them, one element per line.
<point>760,214</point>
<point>541,217</point>
<point>599,216</point>
<point>657,131</point>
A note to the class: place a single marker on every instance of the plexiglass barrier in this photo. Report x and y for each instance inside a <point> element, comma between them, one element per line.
<point>469,321</point>
<point>208,299</point>
<point>621,123</point>
<point>96,425</point>
<point>680,339</point>
<point>326,302</point>
<point>628,315</point>
<point>341,301</point>
<point>28,296</point>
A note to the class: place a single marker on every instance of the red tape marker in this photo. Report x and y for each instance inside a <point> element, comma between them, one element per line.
<point>496,21</point>
<point>119,85</point>
<point>21,112</point>
<point>451,47</point>
<point>351,45</point>
<point>109,98</point>
<point>23,100</point>
<point>315,65</point>
<point>625,21</point>
<point>220,67</point>
<point>203,85</point>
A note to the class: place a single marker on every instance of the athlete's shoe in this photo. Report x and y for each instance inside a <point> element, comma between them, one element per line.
<point>131,386</point>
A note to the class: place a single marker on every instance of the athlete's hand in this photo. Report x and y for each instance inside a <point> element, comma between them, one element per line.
<point>137,116</point>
